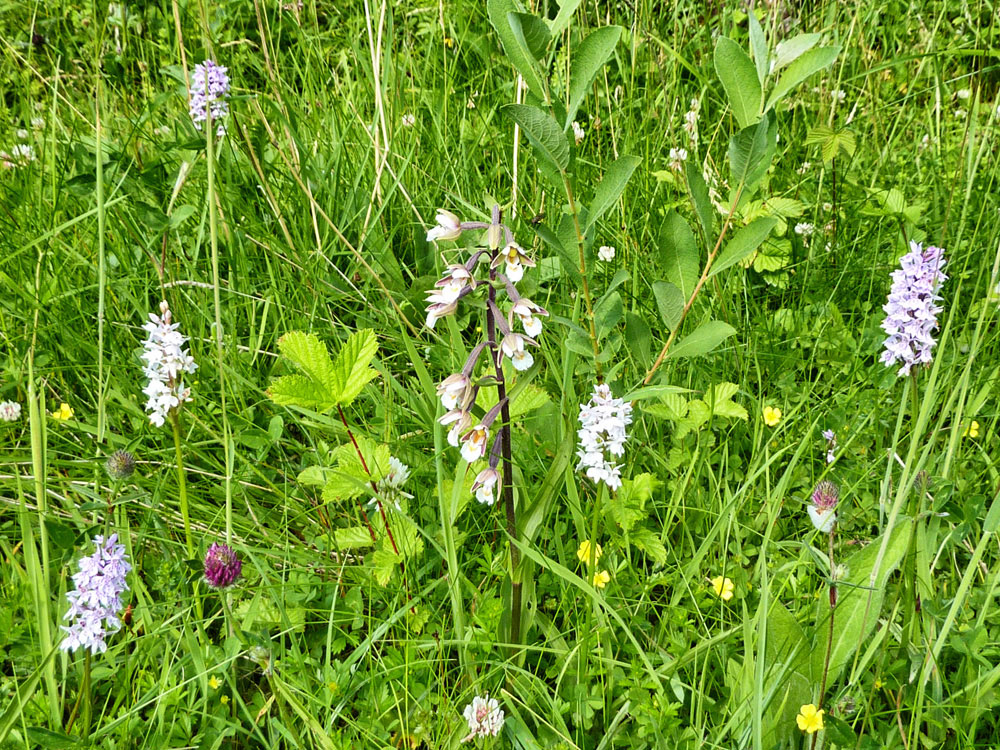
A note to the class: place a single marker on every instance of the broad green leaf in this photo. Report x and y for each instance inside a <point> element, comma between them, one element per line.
<point>743,243</point>
<point>527,399</point>
<point>384,564</point>
<point>638,338</point>
<point>353,537</point>
<point>345,485</point>
<point>543,133</point>
<point>312,476</point>
<point>670,303</point>
<point>758,47</point>
<point>352,370</point>
<point>586,62</point>
<point>810,62</point>
<point>787,665</point>
<point>299,390</point>
<point>628,505</point>
<point>608,314</point>
<point>679,254</point>
<point>699,196</point>
<point>654,391</point>
<point>498,12</point>
<point>531,33</point>
<point>562,20</point>
<point>648,541</point>
<point>790,50</point>
<point>610,187</point>
<point>739,79</point>
<point>309,354</point>
<point>704,339</point>
<point>750,153</point>
<point>858,606</point>
<point>719,397</point>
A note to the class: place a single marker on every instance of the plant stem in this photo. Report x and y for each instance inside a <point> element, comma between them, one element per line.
<point>88,702</point>
<point>829,636</point>
<point>364,465</point>
<point>583,275</point>
<point>175,422</point>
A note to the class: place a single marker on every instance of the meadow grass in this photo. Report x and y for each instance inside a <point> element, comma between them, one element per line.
<point>311,213</point>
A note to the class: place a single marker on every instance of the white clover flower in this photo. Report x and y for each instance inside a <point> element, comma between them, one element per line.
<point>389,487</point>
<point>804,229</point>
<point>22,134</point>
<point>960,114</point>
<point>677,158</point>
<point>165,362</point>
<point>449,227</point>
<point>485,484</point>
<point>37,123</point>
<point>10,411</point>
<point>963,94</point>
<point>409,120</point>
<point>606,253</point>
<point>578,134</point>
<point>603,423</point>
<point>806,166</point>
<point>21,155</point>
<point>838,95</point>
<point>485,718</point>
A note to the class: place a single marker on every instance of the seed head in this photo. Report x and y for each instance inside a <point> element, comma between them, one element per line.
<point>120,465</point>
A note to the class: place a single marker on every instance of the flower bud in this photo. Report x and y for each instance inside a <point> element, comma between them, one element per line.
<point>120,465</point>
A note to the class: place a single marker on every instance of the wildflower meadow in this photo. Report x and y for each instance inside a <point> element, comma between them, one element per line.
<point>500,373</point>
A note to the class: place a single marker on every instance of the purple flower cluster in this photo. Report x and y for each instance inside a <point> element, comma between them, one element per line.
<point>911,310</point>
<point>222,566</point>
<point>95,603</point>
<point>209,93</point>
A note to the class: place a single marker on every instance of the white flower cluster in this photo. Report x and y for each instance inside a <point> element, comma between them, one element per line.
<point>602,433</point>
<point>691,121</point>
<point>390,486</point>
<point>677,158</point>
<point>10,411</point>
<point>165,361</point>
<point>485,717</point>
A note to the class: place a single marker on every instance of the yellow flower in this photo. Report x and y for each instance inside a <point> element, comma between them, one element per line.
<point>601,579</point>
<point>449,42</point>
<point>972,430</point>
<point>63,412</point>
<point>724,587</point>
<point>224,700</point>
<point>809,719</point>
<point>584,551</point>
<point>772,415</point>
<point>878,684</point>
<point>213,682</point>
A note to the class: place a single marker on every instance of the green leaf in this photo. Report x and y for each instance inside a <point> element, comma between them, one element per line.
<point>531,33</point>
<point>351,370</point>
<point>628,505</point>
<point>309,354</point>
<point>608,314</point>
<point>704,339</point>
<point>610,187</point>
<point>384,564</point>
<point>750,153</point>
<point>543,133</point>
<point>679,254</point>
<point>562,20</point>
<point>858,606</point>
<point>719,397</point>
<point>786,664</point>
<point>739,79</point>
<point>758,46</point>
<point>810,62</point>
<point>699,196</point>
<point>352,537</point>
<point>301,391</point>
<point>586,62</point>
<point>670,303</point>
<point>790,50</point>
<point>638,338</point>
<point>743,243</point>
<point>647,540</point>
<point>499,12</point>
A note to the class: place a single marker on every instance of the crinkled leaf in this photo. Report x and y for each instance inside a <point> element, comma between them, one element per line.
<point>302,391</point>
<point>352,537</point>
<point>309,354</point>
<point>648,541</point>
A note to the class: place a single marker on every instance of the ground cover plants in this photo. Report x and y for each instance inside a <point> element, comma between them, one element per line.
<point>535,375</point>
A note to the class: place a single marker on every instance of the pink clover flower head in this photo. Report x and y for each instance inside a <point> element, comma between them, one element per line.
<point>96,600</point>
<point>485,717</point>
<point>222,566</point>
<point>209,94</point>
<point>912,308</point>
<point>823,510</point>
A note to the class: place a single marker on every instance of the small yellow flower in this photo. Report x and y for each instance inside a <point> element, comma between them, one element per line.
<point>601,579</point>
<point>224,700</point>
<point>972,430</point>
<point>449,42</point>
<point>63,412</point>
<point>772,415</point>
<point>809,719</point>
<point>213,682</point>
<point>878,684</point>
<point>723,587</point>
<point>584,551</point>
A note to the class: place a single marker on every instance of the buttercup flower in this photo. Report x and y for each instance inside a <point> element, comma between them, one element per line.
<point>912,309</point>
<point>809,719</point>
<point>63,413</point>
<point>209,94</point>
<point>772,415</point>
<point>222,566</point>
<point>485,718</point>
<point>485,484</point>
<point>601,579</point>
<point>606,253</point>
<point>449,227</point>
<point>584,551</point>
<point>213,682</point>
<point>972,430</point>
<point>10,411</point>
<point>96,600</point>
<point>723,587</point>
<point>822,511</point>
<point>166,360</point>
